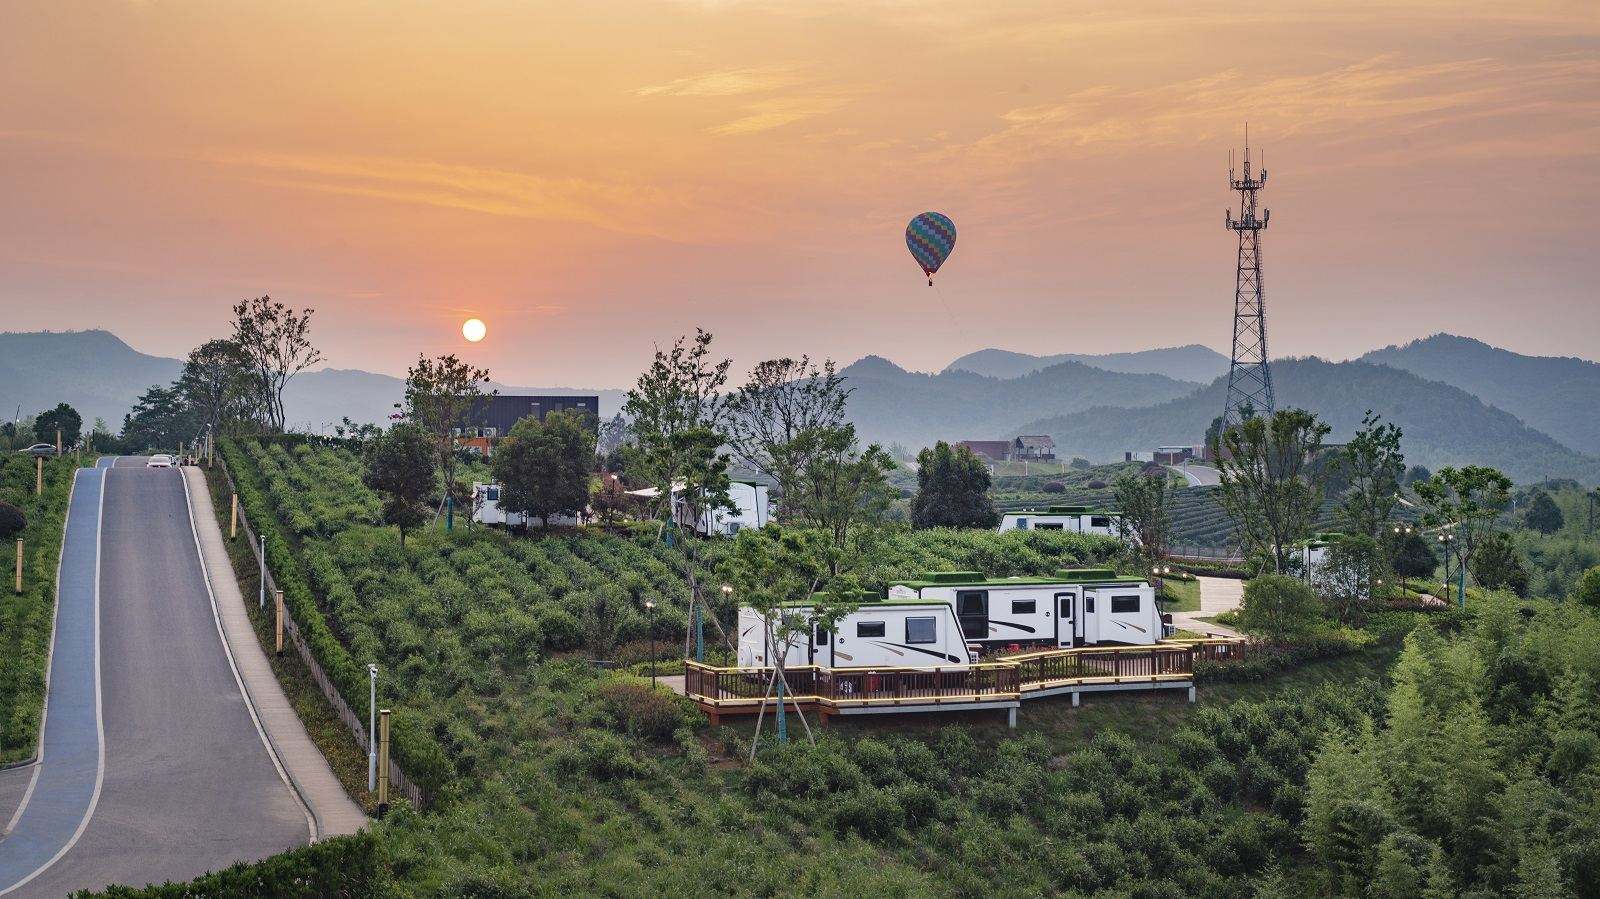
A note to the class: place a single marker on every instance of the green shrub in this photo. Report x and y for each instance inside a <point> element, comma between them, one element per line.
<point>1279,607</point>
<point>350,866</point>
<point>631,706</point>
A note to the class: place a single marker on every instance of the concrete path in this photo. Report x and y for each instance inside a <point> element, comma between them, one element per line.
<point>153,766</point>
<point>1217,595</point>
<point>1198,475</point>
<point>333,810</point>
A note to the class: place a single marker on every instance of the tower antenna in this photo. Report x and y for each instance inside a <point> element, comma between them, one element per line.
<point>1249,375</point>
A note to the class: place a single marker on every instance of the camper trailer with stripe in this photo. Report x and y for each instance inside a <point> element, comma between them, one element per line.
<point>1075,607</point>
<point>948,618</point>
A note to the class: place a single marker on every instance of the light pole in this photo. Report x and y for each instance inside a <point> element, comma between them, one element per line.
<point>372,728</point>
<point>263,569</point>
<point>1445,540</point>
<point>1402,533</point>
<point>650,609</point>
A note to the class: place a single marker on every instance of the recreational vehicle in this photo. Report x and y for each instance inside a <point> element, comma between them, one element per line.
<point>751,509</point>
<point>949,618</point>
<point>878,633</point>
<point>1074,519</point>
<point>486,510</point>
<point>1075,607</point>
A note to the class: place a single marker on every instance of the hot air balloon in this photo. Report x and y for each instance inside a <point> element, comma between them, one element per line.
<point>930,237</point>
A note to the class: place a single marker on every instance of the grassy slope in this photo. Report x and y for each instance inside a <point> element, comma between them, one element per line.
<point>26,620</point>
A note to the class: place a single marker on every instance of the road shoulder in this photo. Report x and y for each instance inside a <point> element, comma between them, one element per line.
<point>313,778</point>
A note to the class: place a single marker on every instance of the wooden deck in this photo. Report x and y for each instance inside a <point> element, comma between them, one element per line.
<point>1000,684</point>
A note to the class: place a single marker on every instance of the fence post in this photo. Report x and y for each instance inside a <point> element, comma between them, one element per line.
<point>383,762</point>
<point>263,601</point>
<point>38,476</point>
<point>279,594</point>
<point>233,518</point>
<point>19,564</point>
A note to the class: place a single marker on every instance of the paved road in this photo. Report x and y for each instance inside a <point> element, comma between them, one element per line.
<point>171,778</point>
<point>1217,595</point>
<point>1198,475</point>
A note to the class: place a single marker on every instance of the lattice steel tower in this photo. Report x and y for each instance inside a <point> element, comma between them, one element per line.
<point>1249,377</point>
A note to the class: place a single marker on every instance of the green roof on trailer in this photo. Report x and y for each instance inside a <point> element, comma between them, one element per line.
<point>975,579</point>
<point>1064,510</point>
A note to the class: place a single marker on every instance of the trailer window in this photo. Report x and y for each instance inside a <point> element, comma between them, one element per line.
<point>1048,527</point>
<point>972,602</point>
<point>869,629</point>
<point>1100,521</point>
<point>1124,604</point>
<point>492,494</point>
<point>1024,606</point>
<point>1066,604</point>
<point>922,630</point>
<point>1088,604</point>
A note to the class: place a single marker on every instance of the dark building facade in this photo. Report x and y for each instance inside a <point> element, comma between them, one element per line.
<point>494,415</point>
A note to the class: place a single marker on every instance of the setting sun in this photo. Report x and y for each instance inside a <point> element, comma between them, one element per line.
<point>473,330</point>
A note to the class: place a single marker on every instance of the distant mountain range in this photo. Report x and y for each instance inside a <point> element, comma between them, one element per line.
<point>1459,400</point>
<point>102,377</point>
<point>1183,363</point>
<point>892,405</point>
<point>1559,395</point>
<point>1443,424</point>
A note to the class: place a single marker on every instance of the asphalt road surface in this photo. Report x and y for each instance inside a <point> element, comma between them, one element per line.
<point>172,778</point>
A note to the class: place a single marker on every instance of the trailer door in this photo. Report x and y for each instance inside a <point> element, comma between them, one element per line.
<point>1066,621</point>
<point>972,610</point>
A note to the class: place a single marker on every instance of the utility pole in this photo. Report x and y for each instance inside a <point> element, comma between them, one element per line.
<point>1249,377</point>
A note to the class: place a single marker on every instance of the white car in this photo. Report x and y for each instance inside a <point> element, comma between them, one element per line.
<point>159,460</point>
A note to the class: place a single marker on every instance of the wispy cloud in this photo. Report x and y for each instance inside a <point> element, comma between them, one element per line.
<point>777,112</point>
<point>730,83</point>
<point>612,205</point>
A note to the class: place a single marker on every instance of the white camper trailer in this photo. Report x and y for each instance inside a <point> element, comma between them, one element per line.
<point>486,510</point>
<point>879,633</point>
<point>947,618</point>
<point>1075,607</point>
<point>1073,519</point>
<point>751,509</point>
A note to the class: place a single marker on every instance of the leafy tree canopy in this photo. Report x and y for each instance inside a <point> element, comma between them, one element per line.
<point>63,418</point>
<point>952,490</point>
<point>544,466</point>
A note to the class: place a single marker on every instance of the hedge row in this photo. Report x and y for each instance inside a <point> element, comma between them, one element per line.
<point>417,754</point>
<point>352,866</point>
<point>26,620</point>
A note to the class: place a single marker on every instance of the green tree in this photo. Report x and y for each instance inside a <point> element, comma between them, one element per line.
<point>12,522</point>
<point>678,416</point>
<point>841,486</point>
<point>1543,515</point>
<point>1348,573</point>
<point>792,578</point>
<point>1145,522</point>
<point>1267,488</point>
<point>1414,557</point>
<point>1278,607</point>
<point>1373,465</point>
<point>1497,565</point>
<point>159,420</point>
<point>220,384</point>
<point>63,418</point>
<point>441,395</point>
<point>544,467</point>
<point>952,490</point>
<point>399,465</point>
<point>277,342</point>
<point>1466,501</point>
<point>781,400</point>
<point>1587,588</point>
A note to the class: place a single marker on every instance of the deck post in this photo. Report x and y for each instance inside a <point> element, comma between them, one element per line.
<point>1076,695</point>
<point>1011,717</point>
<point>1191,692</point>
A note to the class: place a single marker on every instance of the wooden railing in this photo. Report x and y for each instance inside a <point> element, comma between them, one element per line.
<point>1010,677</point>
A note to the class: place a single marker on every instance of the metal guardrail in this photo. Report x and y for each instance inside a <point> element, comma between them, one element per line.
<point>398,781</point>
<point>1007,678</point>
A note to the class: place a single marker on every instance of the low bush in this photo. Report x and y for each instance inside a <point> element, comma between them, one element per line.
<point>631,706</point>
<point>349,867</point>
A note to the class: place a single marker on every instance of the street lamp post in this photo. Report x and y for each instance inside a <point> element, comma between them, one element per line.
<point>1402,533</point>
<point>650,609</point>
<point>372,728</point>
<point>1445,540</point>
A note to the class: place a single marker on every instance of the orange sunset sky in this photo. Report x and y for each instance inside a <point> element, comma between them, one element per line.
<point>594,177</point>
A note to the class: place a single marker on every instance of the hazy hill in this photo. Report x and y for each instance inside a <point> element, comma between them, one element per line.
<point>101,376</point>
<point>93,370</point>
<point>890,404</point>
<point>1184,363</point>
<point>1556,394</point>
<point>1443,424</point>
